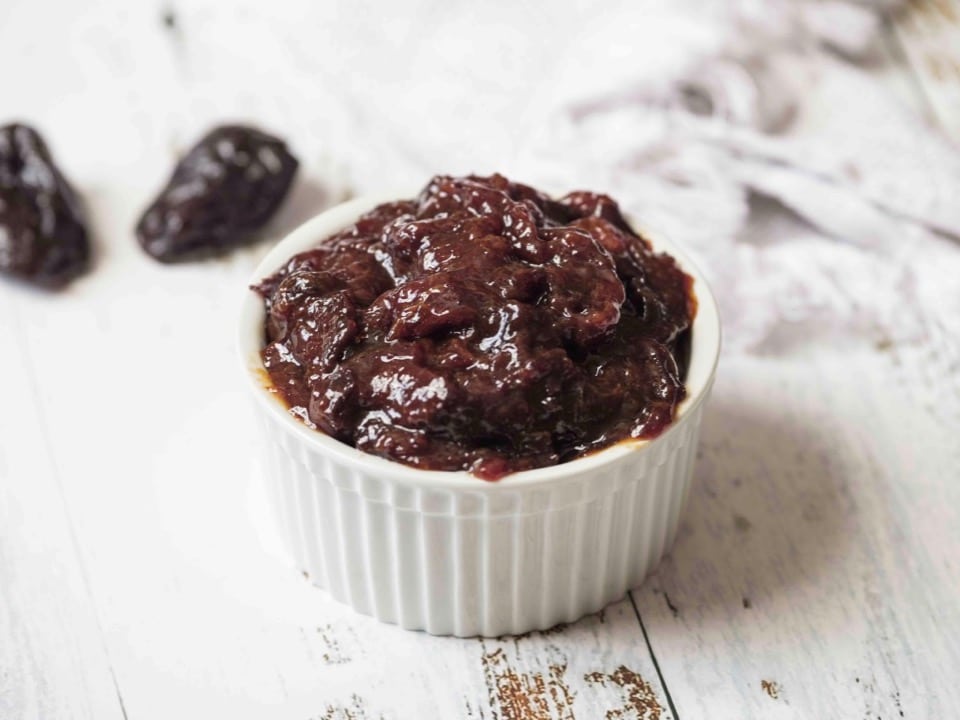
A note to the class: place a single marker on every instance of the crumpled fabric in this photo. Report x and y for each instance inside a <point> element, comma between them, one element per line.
<point>823,209</point>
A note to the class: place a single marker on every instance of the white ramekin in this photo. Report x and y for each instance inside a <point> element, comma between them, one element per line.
<point>452,554</point>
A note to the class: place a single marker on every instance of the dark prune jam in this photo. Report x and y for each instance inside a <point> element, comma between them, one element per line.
<point>43,237</point>
<point>227,187</point>
<point>481,326</point>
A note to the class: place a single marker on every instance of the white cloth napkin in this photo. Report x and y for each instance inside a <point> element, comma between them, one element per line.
<point>766,100</point>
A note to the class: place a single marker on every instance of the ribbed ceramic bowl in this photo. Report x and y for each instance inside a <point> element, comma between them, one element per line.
<point>452,554</point>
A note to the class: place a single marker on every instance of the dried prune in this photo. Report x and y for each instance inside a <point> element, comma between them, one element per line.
<point>221,192</point>
<point>43,237</point>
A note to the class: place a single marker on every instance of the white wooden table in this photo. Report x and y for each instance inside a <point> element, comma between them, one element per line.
<point>817,571</point>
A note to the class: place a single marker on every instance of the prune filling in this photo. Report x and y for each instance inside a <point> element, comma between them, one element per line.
<point>481,326</point>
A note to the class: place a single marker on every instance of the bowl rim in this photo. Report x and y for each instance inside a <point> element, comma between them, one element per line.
<point>704,356</point>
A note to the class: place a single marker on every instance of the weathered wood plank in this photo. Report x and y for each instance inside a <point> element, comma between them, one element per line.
<point>53,659</point>
<point>812,576</point>
<point>929,33</point>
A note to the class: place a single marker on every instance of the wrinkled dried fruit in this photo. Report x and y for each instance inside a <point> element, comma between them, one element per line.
<point>226,187</point>
<point>43,238</point>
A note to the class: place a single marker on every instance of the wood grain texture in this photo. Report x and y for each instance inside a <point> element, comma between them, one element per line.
<point>810,578</point>
<point>53,657</point>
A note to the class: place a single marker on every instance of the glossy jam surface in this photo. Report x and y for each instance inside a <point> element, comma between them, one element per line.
<point>481,326</point>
